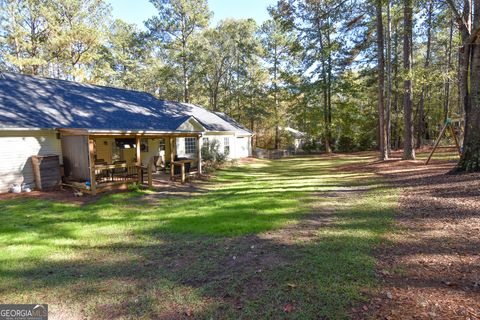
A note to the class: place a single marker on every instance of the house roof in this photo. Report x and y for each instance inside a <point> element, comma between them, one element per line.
<point>232,122</point>
<point>296,133</point>
<point>35,102</point>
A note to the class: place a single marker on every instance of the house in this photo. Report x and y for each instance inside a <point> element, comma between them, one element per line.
<point>98,131</point>
<point>297,138</point>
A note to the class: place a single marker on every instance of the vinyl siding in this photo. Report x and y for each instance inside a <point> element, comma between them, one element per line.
<point>235,146</point>
<point>243,147</point>
<point>16,148</point>
<point>104,149</point>
<point>153,150</point>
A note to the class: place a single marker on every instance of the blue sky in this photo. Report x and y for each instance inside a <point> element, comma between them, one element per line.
<point>137,11</point>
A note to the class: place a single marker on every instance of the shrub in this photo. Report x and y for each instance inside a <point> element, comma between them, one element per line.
<point>134,187</point>
<point>346,144</point>
<point>367,142</point>
<point>309,146</point>
<point>212,157</point>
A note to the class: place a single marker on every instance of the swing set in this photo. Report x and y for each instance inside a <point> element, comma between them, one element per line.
<point>455,128</point>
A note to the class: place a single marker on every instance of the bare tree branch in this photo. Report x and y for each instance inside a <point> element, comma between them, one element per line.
<point>458,16</point>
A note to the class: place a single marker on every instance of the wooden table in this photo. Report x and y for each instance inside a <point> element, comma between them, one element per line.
<point>181,164</point>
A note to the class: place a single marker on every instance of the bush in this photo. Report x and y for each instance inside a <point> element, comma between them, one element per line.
<point>309,146</point>
<point>212,157</point>
<point>367,142</point>
<point>134,187</point>
<point>346,144</point>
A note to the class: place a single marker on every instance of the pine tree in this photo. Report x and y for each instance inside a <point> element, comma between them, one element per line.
<point>174,27</point>
<point>408,148</point>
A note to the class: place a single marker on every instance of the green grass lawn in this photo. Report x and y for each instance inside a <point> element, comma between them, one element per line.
<point>295,232</point>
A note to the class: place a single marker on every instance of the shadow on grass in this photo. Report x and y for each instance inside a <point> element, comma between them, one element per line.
<point>209,256</point>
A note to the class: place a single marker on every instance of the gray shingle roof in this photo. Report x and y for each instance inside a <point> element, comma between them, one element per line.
<point>35,102</point>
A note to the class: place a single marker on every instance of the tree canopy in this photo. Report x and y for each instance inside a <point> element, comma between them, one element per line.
<point>352,74</point>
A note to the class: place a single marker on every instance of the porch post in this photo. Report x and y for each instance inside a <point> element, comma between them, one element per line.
<point>91,160</point>
<point>183,173</point>
<point>172,156</point>
<point>150,178</point>
<point>199,154</point>
<point>139,157</point>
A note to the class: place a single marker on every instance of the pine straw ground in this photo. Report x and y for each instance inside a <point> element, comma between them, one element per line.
<point>431,267</point>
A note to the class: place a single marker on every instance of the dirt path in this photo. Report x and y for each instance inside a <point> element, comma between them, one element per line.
<point>431,268</point>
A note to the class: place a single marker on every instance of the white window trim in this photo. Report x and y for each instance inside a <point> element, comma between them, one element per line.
<point>226,144</point>
<point>189,144</point>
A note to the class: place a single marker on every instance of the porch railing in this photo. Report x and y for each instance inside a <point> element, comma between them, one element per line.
<point>106,173</point>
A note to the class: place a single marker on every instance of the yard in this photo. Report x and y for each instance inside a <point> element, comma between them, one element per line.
<point>294,238</point>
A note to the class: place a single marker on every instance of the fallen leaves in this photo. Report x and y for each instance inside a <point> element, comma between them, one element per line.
<point>189,313</point>
<point>288,308</point>
<point>437,248</point>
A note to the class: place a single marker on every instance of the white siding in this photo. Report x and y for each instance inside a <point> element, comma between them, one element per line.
<point>190,125</point>
<point>181,149</point>
<point>243,147</point>
<point>234,154</point>
<point>16,148</point>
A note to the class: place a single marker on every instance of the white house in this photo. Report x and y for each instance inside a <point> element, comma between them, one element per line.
<point>297,136</point>
<point>94,128</point>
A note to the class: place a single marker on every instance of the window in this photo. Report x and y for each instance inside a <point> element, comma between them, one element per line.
<point>226,145</point>
<point>144,145</point>
<point>161,144</point>
<point>205,141</point>
<point>190,145</point>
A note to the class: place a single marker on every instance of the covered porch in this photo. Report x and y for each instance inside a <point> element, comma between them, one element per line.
<point>99,161</point>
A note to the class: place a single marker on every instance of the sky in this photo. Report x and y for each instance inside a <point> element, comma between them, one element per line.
<point>137,11</point>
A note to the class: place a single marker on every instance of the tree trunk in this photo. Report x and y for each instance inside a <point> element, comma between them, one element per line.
<point>186,93</point>
<point>381,83</point>
<point>408,151</point>
<point>328,148</point>
<point>325,87</point>
<point>470,83</point>
<point>446,104</point>
<point>421,106</point>
<point>276,102</point>
<point>396,123</point>
<point>329,91</point>
<point>389,81</point>
<point>470,160</point>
